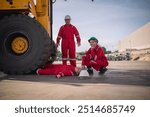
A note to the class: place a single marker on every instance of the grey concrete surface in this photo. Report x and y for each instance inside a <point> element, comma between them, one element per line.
<point>123,80</point>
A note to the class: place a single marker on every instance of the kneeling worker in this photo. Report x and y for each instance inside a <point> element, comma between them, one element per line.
<point>95,58</point>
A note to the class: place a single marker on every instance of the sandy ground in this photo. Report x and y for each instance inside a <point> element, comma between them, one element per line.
<point>123,80</point>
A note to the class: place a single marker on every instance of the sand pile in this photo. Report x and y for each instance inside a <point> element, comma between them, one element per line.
<point>141,57</point>
<point>145,58</point>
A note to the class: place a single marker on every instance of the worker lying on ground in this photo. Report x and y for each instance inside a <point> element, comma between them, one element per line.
<point>95,58</point>
<point>58,70</point>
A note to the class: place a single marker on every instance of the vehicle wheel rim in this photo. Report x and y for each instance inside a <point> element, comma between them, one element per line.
<point>19,45</point>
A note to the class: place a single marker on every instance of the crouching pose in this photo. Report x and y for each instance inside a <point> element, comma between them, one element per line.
<point>95,58</point>
<point>58,70</point>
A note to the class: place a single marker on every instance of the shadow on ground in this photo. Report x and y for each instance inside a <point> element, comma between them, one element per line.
<point>113,76</point>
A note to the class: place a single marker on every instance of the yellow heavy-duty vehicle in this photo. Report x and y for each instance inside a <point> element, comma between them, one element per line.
<point>25,35</point>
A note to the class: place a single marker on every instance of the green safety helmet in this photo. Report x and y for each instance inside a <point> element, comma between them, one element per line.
<point>93,38</point>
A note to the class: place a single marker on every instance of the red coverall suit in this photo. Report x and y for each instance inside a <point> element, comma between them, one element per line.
<point>53,69</point>
<point>67,33</point>
<point>95,58</point>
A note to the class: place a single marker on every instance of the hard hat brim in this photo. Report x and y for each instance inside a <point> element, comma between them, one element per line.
<point>67,18</point>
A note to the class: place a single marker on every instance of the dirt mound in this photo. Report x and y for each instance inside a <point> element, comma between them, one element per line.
<point>145,58</point>
<point>141,57</point>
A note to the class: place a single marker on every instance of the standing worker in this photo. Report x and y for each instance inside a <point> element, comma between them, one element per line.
<point>67,33</point>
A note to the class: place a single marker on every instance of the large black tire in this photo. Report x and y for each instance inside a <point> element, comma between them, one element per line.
<point>38,51</point>
<point>53,53</point>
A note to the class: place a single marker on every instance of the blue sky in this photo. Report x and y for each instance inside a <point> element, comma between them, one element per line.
<point>108,20</point>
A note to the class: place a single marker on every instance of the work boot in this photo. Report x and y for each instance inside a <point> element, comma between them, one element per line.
<point>102,70</point>
<point>90,70</point>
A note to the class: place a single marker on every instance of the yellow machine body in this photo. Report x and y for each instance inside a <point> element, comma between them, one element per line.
<point>15,5</point>
<point>40,10</point>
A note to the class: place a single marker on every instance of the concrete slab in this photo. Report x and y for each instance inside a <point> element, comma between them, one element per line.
<point>124,80</point>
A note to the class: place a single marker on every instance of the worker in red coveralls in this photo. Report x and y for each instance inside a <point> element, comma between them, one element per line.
<point>67,33</point>
<point>95,58</point>
<point>58,70</point>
